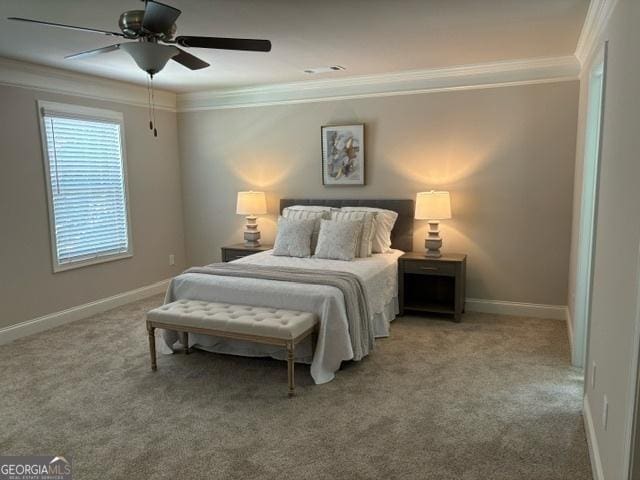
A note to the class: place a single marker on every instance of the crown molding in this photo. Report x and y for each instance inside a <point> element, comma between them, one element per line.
<point>593,29</point>
<point>487,75</point>
<point>48,79</point>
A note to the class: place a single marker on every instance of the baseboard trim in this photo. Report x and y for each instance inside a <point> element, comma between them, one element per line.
<point>569,320</point>
<point>555,312</point>
<point>592,442</point>
<point>52,320</point>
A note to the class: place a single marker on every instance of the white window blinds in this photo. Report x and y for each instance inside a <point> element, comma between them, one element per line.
<point>86,185</point>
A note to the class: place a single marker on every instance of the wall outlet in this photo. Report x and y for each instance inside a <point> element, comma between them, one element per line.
<point>172,259</point>
<point>593,375</point>
<point>605,412</point>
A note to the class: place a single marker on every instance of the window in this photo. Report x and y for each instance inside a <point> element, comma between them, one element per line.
<point>86,184</point>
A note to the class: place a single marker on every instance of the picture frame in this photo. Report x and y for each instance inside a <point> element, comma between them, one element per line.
<point>343,158</point>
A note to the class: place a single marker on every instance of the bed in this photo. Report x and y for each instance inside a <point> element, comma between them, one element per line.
<point>377,273</point>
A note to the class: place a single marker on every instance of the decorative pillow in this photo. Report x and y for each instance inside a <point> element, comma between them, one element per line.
<point>338,240</point>
<point>294,237</point>
<point>385,220</point>
<point>299,212</point>
<point>365,238</point>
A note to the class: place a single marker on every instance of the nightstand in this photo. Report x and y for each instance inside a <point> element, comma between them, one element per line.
<point>433,285</point>
<point>239,250</point>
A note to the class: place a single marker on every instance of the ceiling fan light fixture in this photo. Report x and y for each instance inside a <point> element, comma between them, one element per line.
<point>150,57</point>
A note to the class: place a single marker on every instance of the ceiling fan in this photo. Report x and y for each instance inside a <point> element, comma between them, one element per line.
<point>154,29</point>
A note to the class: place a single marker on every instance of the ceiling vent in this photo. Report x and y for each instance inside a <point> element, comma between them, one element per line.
<point>317,70</point>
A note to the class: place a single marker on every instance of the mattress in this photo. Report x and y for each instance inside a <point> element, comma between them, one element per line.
<point>378,274</point>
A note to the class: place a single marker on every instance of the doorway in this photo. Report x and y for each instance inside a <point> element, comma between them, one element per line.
<point>591,159</point>
<point>635,439</point>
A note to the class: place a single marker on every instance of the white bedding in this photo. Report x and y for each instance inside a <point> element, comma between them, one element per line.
<point>379,276</point>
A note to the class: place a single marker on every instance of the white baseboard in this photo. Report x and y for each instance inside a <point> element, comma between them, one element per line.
<point>72,314</point>
<point>569,328</point>
<point>40,324</point>
<point>592,442</point>
<point>556,312</point>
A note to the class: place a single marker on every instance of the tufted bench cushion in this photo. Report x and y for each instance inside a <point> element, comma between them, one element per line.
<point>226,317</point>
<point>243,322</point>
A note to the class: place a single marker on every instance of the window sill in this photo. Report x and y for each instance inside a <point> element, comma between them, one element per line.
<point>57,268</point>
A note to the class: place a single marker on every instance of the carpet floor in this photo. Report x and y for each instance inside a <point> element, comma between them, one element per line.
<point>493,397</point>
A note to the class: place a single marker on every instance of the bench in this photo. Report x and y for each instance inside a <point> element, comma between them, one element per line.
<point>269,326</point>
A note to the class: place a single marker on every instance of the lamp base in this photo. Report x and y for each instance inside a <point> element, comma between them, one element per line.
<point>433,242</point>
<point>251,232</point>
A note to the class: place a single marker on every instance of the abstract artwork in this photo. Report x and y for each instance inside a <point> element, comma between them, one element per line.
<point>343,155</point>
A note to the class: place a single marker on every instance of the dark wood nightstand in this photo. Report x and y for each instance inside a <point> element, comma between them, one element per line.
<point>434,285</point>
<point>239,250</point>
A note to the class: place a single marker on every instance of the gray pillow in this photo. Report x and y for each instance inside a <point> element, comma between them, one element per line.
<point>365,239</point>
<point>317,213</point>
<point>294,237</point>
<point>338,239</point>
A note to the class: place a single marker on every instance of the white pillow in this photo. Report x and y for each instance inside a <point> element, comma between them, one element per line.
<point>365,238</point>
<point>385,220</point>
<point>310,208</point>
<point>294,237</point>
<point>304,212</point>
<point>338,240</point>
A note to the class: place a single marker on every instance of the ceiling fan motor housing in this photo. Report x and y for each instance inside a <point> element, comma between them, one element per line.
<point>130,23</point>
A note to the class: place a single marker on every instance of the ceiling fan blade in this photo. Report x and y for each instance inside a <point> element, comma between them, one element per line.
<point>190,61</point>
<point>95,51</point>
<point>225,43</point>
<point>68,27</point>
<point>158,17</point>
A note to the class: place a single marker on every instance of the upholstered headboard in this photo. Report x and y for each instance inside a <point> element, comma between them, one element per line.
<point>402,234</point>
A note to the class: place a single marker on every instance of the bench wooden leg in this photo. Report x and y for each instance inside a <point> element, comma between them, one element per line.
<point>185,342</point>
<point>152,346</point>
<point>290,368</point>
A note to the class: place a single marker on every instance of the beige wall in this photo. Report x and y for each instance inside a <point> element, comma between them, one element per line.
<point>28,288</point>
<point>615,280</point>
<point>506,154</point>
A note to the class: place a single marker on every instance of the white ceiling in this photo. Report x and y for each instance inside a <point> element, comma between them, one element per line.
<point>365,36</point>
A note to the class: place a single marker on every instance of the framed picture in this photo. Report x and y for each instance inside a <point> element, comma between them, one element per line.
<point>343,155</point>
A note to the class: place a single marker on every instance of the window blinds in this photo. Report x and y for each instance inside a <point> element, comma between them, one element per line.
<point>87,187</point>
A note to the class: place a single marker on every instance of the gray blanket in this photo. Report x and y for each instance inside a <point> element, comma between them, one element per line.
<point>360,329</point>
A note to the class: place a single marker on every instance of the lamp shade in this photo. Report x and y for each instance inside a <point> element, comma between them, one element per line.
<point>251,203</point>
<point>433,206</point>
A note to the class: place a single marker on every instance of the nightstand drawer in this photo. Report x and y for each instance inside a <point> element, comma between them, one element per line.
<point>230,255</point>
<point>230,258</point>
<point>429,268</point>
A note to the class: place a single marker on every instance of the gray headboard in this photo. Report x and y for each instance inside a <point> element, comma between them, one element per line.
<point>402,234</point>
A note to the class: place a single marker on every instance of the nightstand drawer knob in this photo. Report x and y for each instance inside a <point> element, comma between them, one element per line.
<point>431,269</point>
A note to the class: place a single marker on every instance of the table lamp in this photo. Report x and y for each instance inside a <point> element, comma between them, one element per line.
<point>433,206</point>
<point>251,204</point>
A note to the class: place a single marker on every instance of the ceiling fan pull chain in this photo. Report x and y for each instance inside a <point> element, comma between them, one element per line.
<point>153,109</point>
<point>149,104</point>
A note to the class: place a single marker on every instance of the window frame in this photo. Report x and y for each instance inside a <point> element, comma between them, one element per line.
<point>79,112</point>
